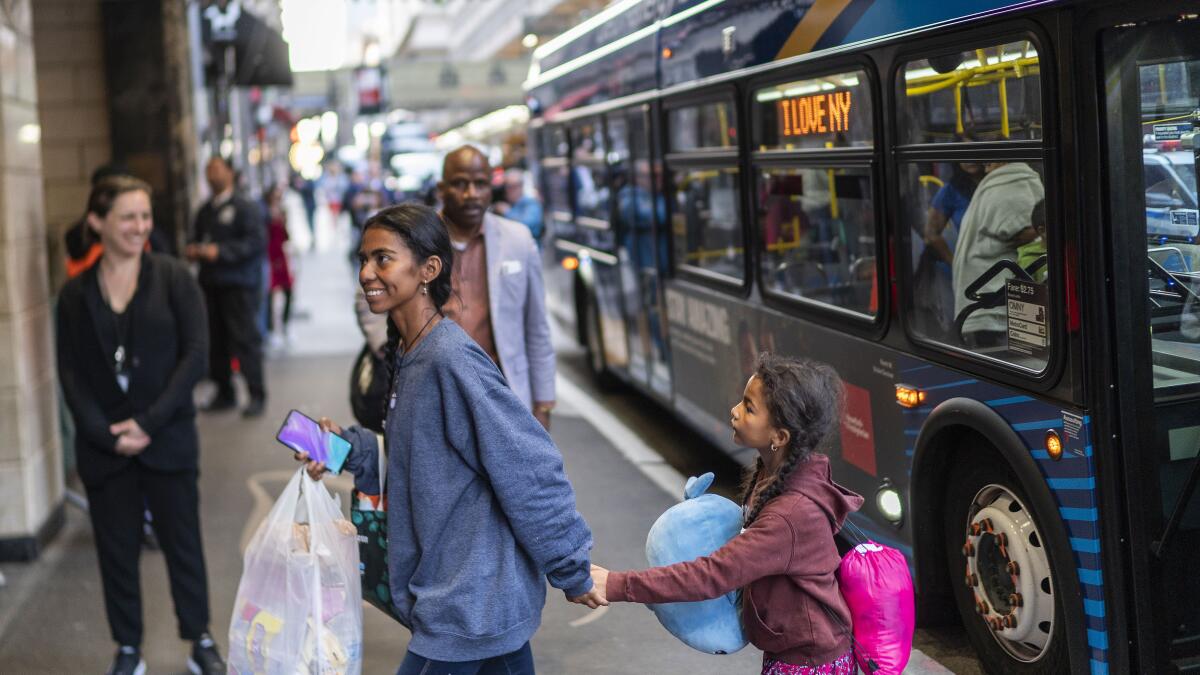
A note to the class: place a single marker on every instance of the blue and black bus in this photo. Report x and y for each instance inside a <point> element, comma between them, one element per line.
<point>982,213</point>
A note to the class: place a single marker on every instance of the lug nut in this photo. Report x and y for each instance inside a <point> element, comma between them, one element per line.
<point>1016,600</point>
<point>981,606</point>
<point>1010,621</point>
<point>986,523</point>
<point>968,549</point>
<point>1013,568</point>
<point>976,529</point>
<point>1002,539</point>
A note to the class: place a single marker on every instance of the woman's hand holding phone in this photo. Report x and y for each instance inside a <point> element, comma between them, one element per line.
<point>317,470</point>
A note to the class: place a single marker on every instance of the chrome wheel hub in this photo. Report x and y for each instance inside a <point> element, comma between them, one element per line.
<point>1008,571</point>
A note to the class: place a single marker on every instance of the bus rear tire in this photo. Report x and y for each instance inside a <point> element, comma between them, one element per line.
<point>1004,579</point>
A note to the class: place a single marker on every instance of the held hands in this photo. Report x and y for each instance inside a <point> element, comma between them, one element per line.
<point>316,470</point>
<point>131,439</point>
<point>597,596</point>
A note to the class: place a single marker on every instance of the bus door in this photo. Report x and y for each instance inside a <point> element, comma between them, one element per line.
<point>640,210</point>
<point>1152,106</point>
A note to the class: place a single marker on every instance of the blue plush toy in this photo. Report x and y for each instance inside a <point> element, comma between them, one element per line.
<point>696,527</point>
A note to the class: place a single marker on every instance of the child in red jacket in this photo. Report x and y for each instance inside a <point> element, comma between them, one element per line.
<point>785,558</point>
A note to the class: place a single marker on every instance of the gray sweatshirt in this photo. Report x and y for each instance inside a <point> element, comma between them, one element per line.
<point>479,507</point>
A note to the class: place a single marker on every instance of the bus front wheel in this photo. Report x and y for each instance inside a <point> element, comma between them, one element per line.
<point>1005,581</point>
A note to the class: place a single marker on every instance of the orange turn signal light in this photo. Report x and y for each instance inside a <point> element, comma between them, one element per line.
<point>570,263</point>
<point>909,397</point>
<point>667,53</point>
<point>1053,445</point>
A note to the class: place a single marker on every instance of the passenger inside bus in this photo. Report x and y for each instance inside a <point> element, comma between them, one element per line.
<point>933,282</point>
<point>995,225</point>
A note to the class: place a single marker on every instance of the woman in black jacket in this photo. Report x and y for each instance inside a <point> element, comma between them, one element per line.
<point>132,343</point>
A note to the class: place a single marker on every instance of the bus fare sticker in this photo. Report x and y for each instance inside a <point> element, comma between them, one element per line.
<point>1027,333</point>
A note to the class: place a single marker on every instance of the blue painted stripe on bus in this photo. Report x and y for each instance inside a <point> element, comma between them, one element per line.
<point>1090,515</point>
<point>958,383</point>
<point>1072,483</point>
<point>1087,419</point>
<point>1041,424</point>
<point>1099,668</point>
<point>1097,639</point>
<point>996,403</point>
<point>1094,608</point>
<point>1085,545</point>
<point>1090,577</point>
<point>909,452</point>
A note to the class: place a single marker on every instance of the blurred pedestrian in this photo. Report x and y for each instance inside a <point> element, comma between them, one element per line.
<point>281,272</point>
<point>484,515</point>
<point>519,206</point>
<point>229,242</point>
<point>499,299</point>
<point>308,196</point>
<point>132,343</point>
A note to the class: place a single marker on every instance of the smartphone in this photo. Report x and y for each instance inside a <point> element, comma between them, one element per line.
<point>301,433</point>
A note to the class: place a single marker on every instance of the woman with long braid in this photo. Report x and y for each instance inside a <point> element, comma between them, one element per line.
<point>482,512</point>
<point>785,558</point>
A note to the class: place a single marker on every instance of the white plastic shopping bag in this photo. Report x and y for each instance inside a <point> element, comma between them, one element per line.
<point>299,603</point>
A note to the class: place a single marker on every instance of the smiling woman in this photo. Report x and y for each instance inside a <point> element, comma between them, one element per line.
<point>131,346</point>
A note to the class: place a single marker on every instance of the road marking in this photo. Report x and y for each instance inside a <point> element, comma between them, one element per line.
<point>629,444</point>
<point>589,617</point>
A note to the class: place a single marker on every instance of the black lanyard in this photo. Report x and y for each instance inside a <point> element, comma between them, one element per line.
<point>120,322</point>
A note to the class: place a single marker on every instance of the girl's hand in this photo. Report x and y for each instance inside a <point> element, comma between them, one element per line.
<point>595,597</point>
<point>327,424</point>
<point>316,470</point>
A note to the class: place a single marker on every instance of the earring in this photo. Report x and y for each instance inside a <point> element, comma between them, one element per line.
<point>425,288</point>
<point>774,448</point>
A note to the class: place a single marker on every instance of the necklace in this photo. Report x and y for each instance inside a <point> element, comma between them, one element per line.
<point>120,321</point>
<point>400,361</point>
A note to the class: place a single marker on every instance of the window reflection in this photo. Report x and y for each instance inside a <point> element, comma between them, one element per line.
<point>705,222</point>
<point>818,231</point>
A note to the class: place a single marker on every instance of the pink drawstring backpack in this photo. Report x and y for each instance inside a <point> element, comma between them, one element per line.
<point>878,588</point>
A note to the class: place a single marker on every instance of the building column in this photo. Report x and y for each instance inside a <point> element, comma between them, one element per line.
<point>31,475</point>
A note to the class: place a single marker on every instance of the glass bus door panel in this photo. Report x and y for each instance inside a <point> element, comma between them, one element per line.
<point>1155,81</point>
<point>625,226</point>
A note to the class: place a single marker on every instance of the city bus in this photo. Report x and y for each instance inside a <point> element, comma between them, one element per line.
<point>981,213</point>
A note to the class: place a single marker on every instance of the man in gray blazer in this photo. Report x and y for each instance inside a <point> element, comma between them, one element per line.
<point>499,298</point>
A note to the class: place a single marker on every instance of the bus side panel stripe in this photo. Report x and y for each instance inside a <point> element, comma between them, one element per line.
<point>1094,608</point>
<point>1099,667</point>
<point>1098,639</point>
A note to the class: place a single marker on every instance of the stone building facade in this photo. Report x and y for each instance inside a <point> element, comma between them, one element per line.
<point>82,83</point>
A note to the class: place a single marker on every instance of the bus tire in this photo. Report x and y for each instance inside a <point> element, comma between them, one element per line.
<point>1001,571</point>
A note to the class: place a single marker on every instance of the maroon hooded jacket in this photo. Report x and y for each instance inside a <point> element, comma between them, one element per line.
<point>784,562</point>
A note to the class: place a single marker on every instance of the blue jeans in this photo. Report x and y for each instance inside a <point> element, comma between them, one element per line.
<point>519,662</point>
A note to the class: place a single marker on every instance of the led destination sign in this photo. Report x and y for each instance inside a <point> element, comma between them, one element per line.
<point>815,114</point>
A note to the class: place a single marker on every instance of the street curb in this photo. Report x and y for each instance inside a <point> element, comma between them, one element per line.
<point>626,442</point>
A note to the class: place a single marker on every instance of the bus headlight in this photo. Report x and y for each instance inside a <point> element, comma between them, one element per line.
<point>887,500</point>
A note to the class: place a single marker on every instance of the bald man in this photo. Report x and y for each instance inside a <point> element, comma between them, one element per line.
<point>499,298</point>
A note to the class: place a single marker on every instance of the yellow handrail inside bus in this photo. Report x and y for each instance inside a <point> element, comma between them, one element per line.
<point>931,180</point>
<point>979,75</point>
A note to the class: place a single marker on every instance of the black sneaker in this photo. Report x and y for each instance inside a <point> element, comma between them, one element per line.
<point>128,661</point>
<point>255,408</point>
<point>205,659</point>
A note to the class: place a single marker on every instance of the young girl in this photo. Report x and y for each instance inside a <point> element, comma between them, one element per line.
<point>785,558</point>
